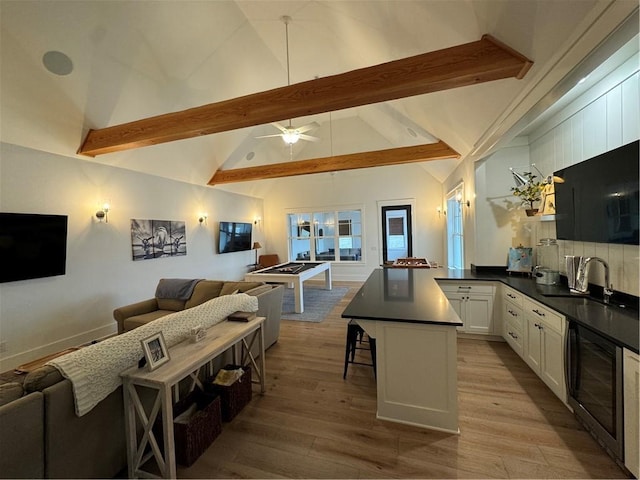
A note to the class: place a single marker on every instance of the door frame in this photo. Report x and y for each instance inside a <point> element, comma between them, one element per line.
<point>392,203</point>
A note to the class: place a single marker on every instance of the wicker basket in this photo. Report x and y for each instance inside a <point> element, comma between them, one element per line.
<point>233,398</point>
<point>193,438</point>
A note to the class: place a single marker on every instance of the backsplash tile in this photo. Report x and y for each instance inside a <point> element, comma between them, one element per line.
<point>616,264</point>
<point>623,260</point>
<point>630,257</point>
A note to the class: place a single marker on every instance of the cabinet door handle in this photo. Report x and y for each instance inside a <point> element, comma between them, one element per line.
<point>536,311</point>
<point>513,313</point>
<point>510,295</point>
<point>464,288</point>
<point>513,335</point>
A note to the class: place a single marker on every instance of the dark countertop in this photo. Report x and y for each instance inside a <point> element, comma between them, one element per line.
<point>402,295</point>
<point>620,325</point>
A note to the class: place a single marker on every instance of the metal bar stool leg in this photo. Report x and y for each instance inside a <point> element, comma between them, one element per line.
<point>350,349</point>
<point>355,334</point>
<point>372,346</point>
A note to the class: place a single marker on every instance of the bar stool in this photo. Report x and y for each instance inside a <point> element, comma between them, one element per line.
<point>355,334</point>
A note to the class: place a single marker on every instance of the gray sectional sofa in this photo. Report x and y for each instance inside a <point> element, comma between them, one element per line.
<point>42,437</point>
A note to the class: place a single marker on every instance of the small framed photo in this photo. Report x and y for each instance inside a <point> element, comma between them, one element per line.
<point>155,350</point>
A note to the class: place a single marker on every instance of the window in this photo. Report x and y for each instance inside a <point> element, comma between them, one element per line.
<point>455,230</point>
<point>313,236</point>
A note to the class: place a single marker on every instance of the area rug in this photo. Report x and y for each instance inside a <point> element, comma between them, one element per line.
<point>318,302</point>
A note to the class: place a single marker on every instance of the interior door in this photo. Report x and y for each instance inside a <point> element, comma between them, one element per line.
<point>397,235</point>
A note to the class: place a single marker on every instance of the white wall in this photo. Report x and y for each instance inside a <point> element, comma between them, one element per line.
<point>604,118</point>
<point>364,187</point>
<point>500,221</point>
<point>42,316</point>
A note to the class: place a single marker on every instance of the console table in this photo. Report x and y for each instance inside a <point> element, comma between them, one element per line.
<point>186,360</point>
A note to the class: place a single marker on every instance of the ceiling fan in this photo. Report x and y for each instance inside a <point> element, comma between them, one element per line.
<point>291,134</point>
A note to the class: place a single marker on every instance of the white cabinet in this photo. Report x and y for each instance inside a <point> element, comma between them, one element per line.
<point>544,345</point>
<point>513,319</point>
<point>631,382</point>
<point>473,302</point>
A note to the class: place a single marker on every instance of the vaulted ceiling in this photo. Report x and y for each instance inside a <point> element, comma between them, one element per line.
<point>135,60</point>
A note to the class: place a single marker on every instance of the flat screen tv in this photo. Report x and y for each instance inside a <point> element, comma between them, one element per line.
<point>598,201</point>
<point>32,246</point>
<point>234,237</point>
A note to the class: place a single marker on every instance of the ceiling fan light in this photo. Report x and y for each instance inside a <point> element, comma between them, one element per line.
<point>290,137</point>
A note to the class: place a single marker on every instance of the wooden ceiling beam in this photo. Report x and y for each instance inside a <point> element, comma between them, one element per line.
<point>378,158</point>
<point>481,61</point>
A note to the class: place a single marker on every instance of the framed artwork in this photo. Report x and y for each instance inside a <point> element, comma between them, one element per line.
<point>155,350</point>
<point>157,238</point>
<point>520,259</point>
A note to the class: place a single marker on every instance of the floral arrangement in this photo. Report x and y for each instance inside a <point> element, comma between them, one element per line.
<point>530,192</point>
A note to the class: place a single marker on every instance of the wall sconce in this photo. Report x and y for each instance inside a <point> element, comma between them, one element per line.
<point>519,179</point>
<point>203,218</point>
<point>439,210</point>
<point>460,200</point>
<point>257,221</point>
<point>103,213</point>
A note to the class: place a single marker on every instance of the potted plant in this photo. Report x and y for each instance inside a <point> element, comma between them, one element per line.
<point>529,193</point>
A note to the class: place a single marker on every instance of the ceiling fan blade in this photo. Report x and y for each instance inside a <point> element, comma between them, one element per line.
<point>306,128</point>
<point>269,136</point>
<point>309,138</point>
<point>280,127</point>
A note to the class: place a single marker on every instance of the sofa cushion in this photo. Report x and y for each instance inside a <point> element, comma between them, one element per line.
<point>241,287</point>
<point>41,378</point>
<point>22,437</point>
<point>139,320</point>
<point>205,290</point>
<point>173,304</point>
<point>9,392</point>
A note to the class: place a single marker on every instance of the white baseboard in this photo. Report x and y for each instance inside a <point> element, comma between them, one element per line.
<point>481,336</point>
<point>13,361</point>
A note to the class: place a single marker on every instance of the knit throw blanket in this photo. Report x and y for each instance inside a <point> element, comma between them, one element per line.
<point>95,370</point>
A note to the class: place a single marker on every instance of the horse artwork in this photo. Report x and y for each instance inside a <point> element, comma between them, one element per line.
<point>157,238</point>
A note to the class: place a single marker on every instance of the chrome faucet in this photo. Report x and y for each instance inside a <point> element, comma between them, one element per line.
<point>582,277</point>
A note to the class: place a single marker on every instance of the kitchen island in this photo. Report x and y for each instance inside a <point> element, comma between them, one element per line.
<point>415,330</point>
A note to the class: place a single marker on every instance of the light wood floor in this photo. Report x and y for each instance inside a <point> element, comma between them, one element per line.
<point>313,424</point>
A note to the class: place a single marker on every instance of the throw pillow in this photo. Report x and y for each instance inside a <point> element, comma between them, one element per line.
<point>42,378</point>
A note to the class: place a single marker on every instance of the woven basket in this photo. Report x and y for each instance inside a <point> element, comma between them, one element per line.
<point>233,398</point>
<point>193,438</point>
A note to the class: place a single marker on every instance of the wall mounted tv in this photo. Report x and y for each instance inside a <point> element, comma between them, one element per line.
<point>234,237</point>
<point>598,201</point>
<point>32,246</point>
